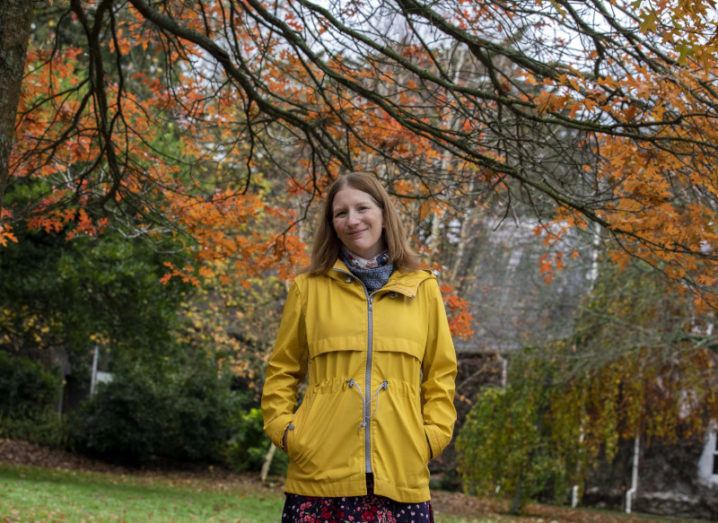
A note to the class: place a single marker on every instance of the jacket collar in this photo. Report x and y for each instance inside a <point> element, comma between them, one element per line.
<point>405,283</point>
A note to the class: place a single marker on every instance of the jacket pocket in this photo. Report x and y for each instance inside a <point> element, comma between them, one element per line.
<point>326,443</point>
<point>401,450</point>
<point>299,416</point>
<point>427,446</point>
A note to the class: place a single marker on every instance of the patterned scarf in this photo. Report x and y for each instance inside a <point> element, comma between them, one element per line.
<point>374,273</point>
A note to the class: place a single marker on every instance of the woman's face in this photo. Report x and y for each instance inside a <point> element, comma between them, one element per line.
<point>358,222</point>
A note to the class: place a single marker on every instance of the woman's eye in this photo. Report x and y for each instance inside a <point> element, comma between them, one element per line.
<point>340,213</point>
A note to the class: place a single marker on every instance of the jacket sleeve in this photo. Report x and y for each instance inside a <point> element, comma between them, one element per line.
<point>286,368</point>
<point>438,375</point>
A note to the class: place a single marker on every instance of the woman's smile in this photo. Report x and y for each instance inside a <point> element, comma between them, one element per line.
<point>358,221</point>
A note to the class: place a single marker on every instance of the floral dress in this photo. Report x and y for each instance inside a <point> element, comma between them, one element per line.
<point>370,508</point>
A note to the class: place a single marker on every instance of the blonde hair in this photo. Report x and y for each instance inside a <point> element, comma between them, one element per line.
<point>326,246</point>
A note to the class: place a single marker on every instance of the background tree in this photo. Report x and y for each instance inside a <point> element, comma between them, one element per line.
<point>15,19</point>
<point>638,364</point>
<point>397,85</point>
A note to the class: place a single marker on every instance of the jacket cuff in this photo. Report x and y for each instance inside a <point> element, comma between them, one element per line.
<point>436,440</point>
<point>275,429</point>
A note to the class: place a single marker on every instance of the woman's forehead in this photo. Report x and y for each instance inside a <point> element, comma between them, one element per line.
<point>351,196</point>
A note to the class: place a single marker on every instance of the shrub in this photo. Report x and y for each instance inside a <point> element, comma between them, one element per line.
<point>46,429</point>
<point>26,389</point>
<point>514,443</point>
<point>181,411</point>
<point>248,446</point>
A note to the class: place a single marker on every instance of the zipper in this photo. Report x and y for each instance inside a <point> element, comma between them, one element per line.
<point>366,397</point>
<point>367,381</point>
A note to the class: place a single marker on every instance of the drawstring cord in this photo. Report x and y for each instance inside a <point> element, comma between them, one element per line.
<point>352,384</point>
<point>375,399</point>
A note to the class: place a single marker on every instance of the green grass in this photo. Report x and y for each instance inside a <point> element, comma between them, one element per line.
<point>31,494</point>
<point>34,494</point>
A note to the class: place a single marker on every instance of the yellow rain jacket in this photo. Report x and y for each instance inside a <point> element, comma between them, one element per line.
<point>380,373</point>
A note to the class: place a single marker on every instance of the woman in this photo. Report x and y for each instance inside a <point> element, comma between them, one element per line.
<point>369,331</point>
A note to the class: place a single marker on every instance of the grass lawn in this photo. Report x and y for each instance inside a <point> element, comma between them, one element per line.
<point>34,494</point>
<point>53,495</point>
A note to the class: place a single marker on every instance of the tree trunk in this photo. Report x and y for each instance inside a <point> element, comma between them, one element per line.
<point>15,18</point>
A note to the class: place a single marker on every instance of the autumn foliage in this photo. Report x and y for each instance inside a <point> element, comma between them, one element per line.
<point>222,122</point>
